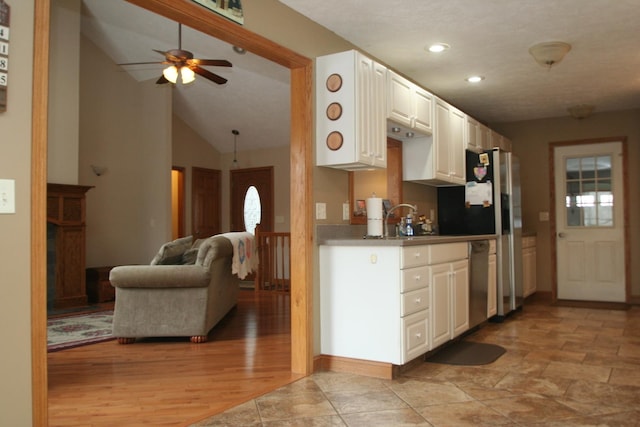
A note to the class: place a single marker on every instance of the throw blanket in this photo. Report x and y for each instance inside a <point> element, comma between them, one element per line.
<point>245,253</point>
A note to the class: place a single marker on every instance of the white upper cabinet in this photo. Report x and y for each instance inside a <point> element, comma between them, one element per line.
<point>350,112</point>
<point>478,136</point>
<point>499,141</point>
<point>438,159</point>
<point>409,108</point>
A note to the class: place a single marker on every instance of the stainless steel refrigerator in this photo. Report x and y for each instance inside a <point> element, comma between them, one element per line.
<point>489,203</point>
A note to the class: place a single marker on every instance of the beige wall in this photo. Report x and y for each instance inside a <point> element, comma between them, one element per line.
<point>125,127</point>
<point>191,150</point>
<point>530,143</point>
<point>15,316</point>
<point>64,75</point>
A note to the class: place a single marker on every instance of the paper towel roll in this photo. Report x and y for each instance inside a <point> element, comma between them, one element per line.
<point>374,216</point>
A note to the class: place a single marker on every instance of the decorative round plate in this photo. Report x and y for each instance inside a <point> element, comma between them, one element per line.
<point>334,111</point>
<point>334,82</point>
<point>334,140</point>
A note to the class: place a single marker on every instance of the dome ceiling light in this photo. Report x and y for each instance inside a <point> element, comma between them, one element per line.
<point>548,54</point>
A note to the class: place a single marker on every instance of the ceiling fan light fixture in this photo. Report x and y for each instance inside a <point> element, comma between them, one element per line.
<point>548,54</point>
<point>187,75</point>
<point>171,73</point>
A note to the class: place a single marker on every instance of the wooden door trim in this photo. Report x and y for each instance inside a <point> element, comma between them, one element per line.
<point>301,67</point>
<point>552,214</point>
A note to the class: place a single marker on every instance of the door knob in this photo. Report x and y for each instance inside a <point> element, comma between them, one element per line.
<point>562,235</point>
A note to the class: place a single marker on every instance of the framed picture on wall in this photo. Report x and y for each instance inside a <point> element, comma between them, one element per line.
<point>360,208</point>
<point>230,9</point>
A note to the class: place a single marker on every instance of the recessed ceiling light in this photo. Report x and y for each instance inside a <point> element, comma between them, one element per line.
<point>438,47</point>
<point>474,79</point>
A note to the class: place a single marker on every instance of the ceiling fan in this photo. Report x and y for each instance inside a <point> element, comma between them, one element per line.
<point>182,63</point>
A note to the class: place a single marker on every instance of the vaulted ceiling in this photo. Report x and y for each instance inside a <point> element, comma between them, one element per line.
<point>490,38</point>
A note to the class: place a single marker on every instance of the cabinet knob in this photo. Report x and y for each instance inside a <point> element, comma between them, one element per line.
<point>417,277</point>
<point>418,300</point>
<point>418,335</point>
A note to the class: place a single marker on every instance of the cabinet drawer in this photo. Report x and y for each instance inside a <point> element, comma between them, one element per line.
<point>413,256</point>
<point>415,335</point>
<point>414,301</point>
<point>446,252</point>
<point>414,278</point>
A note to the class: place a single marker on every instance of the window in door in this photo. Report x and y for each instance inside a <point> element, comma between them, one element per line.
<point>252,209</point>
<point>589,196</point>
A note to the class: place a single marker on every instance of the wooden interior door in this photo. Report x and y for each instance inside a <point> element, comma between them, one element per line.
<point>206,201</point>
<point>240,181</point>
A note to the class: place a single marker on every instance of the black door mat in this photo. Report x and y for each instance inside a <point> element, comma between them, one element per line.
<point>467,353</point>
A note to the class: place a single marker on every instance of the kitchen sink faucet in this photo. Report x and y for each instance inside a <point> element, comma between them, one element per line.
<point>413,208</point>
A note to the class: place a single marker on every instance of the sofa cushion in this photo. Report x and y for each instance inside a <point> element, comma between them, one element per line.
<point>171,253</point>
<point>190,256</point>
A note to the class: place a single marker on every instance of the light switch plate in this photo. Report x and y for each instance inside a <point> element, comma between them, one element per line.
<point>543,216</point>
<point>321,211</point>
<point>7,196</point>
<point>345,211</point>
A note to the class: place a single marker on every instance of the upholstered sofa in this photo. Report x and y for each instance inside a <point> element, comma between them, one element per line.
<point>185,291</point>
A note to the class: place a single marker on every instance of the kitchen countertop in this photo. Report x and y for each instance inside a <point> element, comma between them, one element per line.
<point>401,241</point>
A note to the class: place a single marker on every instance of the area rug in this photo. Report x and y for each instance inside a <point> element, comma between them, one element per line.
<point>467,353</point>
<point>74,331</point>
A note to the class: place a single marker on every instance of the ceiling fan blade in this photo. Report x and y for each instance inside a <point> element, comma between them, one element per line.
<point>214,62</point>
<point>208,75</point>
<point>162,80</point>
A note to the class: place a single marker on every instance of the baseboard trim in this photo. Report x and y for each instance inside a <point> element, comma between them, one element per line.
<point>353,366</point>
<point>593,304</point>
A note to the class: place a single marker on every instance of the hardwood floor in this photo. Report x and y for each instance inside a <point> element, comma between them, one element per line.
<point>173,382</point>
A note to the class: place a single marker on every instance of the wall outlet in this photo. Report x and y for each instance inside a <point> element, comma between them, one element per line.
<point>321,211</point>
<point>543,216</point>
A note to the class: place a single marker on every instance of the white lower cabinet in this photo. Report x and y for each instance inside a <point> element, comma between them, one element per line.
<point>392,303</point>
<point>492,289</point>
<point>449,294</point>
<point>529,284</point>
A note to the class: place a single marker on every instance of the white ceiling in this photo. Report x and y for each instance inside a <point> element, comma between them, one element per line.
<point>487,37</point>
<point>492,38</point>
<point>255,99</point>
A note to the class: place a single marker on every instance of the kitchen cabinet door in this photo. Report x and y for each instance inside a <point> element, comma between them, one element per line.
<point>528,266</point>
<point>440,304</point>
<point>350,112</point>
<point>492,296</point>
<point>409,106</point>
<point>460,297</point>
<point>449,143</point>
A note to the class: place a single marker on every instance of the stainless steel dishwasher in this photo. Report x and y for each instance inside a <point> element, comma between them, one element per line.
<point>478,281</point>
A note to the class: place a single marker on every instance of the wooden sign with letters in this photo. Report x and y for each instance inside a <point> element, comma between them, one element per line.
<point>4,54</point>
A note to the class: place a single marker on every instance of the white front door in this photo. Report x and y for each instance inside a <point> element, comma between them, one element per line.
<point>589,222</point>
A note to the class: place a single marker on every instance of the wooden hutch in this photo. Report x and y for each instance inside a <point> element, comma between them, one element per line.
<point>66,211</point>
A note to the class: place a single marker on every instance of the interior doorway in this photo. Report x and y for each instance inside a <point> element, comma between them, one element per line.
<point>589,218</point>
<point>301,186</point>
<point>177,202</point>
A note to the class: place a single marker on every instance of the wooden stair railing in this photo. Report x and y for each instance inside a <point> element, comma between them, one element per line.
<point>274,255</point>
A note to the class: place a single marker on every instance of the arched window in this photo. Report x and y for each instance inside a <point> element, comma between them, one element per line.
<point>252,209</point>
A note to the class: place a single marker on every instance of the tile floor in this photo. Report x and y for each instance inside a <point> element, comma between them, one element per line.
<point>563,367</point>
